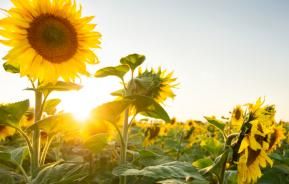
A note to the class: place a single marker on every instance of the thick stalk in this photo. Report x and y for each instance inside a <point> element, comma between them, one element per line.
<point>36,135</point>
<point>123,150</point>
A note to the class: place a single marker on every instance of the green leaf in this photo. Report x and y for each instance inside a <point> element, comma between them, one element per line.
<point>10,177</point>
<point>50,106</point>
<point>230,177</point>
<point>217,123</point>
<point>5,156</point>
<point>147,106</point>
<point>111,111</point>
<point>171,170</point>
<point>172,181</point>
<point>59,86</point>
<point>119,92</point>
<point>14,156</point>
<point>11,68</point>
<point>97,142</point>
<point>149,158</point>
<point>60,123</point>
<point>61,174</point>
<point>118,71</point>
<point>179,181</point>
<point>219,166</point>
<point>202,163</point>
<point>12,113</point>
<point>133,60</point>
<point>278,174</point>
<point>19,154</point>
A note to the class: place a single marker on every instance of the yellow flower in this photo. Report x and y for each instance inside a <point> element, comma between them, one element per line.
<point>249,165</point>
<point>6,131</point>
<point>275,138</point>
<point>196,133</point>
<point>151,134</point>
<point>49,39</point>
<point>262,136</point>
<point>156,84</point>
<point>237,118</point>
<point>27,119</point>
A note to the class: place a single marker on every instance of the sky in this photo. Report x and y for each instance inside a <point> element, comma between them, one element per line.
<point>223,53</point>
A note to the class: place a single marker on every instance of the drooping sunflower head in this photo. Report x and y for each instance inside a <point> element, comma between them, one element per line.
<point>6,131</point>
<point>49,39</point>
<point>250,164</point>
<point>265,114</point>
<point>156,84</point>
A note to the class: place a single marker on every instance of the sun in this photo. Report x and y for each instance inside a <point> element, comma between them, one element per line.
<point>93,93</point>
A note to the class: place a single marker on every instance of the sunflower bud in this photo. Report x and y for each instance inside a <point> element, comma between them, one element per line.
<point>154,84</point>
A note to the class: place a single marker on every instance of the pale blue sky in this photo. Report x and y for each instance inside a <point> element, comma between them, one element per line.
<point>223,52</point>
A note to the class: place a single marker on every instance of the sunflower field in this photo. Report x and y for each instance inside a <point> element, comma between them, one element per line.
<point>130,140</point>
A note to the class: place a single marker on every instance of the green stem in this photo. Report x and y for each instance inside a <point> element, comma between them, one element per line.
<point>180,145</point>
<point>25,136</point>
<point>119,133</point>
<point>24,173</point>
<point>123,150</point>
<point>45,150</point>
<point>36,135</point>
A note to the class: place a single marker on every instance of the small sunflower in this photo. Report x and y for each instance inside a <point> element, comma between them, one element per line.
<point>156,84</point>
<point>27,119</point>
<point>237,117</point>
<point>49,39</point>
<point>151,134</point>
<point>6,131</point>
<point>275,138</point>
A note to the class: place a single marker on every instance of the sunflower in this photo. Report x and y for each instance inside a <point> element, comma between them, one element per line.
<point>261,136</point>
<point>156,84</point>
<point>237,118</point>
<point>275,138</point>
<point>27,119</point>
<point>49,39</point>
<point>151,134</point>
<point>252,155</point>
<point>250,163</point>
<point>6,131</point>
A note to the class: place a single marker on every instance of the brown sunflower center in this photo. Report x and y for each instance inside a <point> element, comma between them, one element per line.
<point>2,128</point>
<point>238,114</point>
<point>252,156</point>
<point>53,37</point>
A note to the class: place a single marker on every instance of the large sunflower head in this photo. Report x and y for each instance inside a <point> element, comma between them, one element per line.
<point>6,131</point>
<point>156,84</point>
<point>49,39</point>
<point>250,164</point>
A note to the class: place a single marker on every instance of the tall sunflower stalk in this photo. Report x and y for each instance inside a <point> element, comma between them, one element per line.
<point>143,93</point>
<point>50,41</point>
